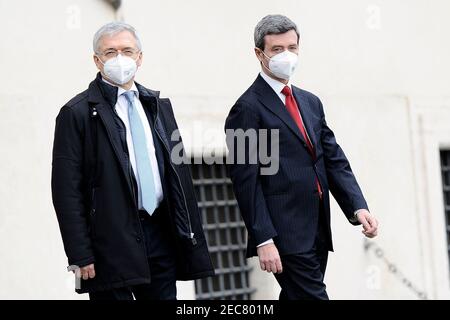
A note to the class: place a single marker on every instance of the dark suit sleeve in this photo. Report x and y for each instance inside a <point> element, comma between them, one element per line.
<point>245,177</point>
<point>342,181</point>
<point>67,182</point>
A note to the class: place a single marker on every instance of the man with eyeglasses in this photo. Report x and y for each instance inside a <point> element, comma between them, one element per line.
<point>127,213</point>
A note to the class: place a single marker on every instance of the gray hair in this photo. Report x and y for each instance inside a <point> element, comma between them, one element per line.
<point>273,24</point>
<point>114,28</point>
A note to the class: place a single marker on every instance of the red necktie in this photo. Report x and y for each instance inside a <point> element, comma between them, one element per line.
<point>294,111</point>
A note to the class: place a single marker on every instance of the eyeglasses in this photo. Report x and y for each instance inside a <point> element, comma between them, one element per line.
<point>111,53</point>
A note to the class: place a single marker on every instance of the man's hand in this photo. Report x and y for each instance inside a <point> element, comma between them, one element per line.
<point>269,259</point>
<point>86,272</point>
<point>370,224</point>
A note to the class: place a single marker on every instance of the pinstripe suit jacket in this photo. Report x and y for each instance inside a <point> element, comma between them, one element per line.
<point>285,206</point>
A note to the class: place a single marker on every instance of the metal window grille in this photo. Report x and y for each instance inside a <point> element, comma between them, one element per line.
<point>445,167</point>
<point>225,234</point>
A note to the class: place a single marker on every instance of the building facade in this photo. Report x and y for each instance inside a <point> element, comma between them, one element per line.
<point>380,67</point>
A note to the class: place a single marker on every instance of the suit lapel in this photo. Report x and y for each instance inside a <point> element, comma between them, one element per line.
<point>305,111</point>
<point>272,102</point>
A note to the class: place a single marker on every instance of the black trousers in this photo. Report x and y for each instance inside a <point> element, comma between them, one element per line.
<point>303,273</point>
<point>161,260</point>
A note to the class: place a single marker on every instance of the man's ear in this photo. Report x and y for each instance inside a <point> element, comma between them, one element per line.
<point>97,62</point>
<point>139,60</point>
<point>259,54</point>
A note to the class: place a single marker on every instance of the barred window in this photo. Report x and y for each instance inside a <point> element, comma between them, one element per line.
<point>225,234</point>
<point>445,167</point>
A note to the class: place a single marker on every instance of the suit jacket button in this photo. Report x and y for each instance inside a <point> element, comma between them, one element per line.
<point>138,239</point>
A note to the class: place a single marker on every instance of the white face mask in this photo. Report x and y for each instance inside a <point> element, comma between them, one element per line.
<point>283,64</point>
<point>120,69</point>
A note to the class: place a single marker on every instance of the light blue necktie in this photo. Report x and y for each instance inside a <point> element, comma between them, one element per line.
<point>144,168</point>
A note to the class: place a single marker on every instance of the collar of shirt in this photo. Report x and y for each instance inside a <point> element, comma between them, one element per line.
<point>120,90</point>
<point>276,85</point>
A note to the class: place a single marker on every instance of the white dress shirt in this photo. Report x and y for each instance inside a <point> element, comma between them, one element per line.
<point>121,108</point>
<point>278,86</point>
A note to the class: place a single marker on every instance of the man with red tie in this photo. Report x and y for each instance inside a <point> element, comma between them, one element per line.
<point>287,214</point>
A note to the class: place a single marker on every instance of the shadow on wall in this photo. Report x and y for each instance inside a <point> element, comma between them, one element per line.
<point>115,3</point>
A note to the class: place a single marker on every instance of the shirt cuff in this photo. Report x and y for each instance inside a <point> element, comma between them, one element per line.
<point>264,243</point>
<point>354,219</point>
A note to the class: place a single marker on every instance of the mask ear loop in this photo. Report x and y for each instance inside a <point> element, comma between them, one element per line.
<point>103,63</point>
<point>262,62</point>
